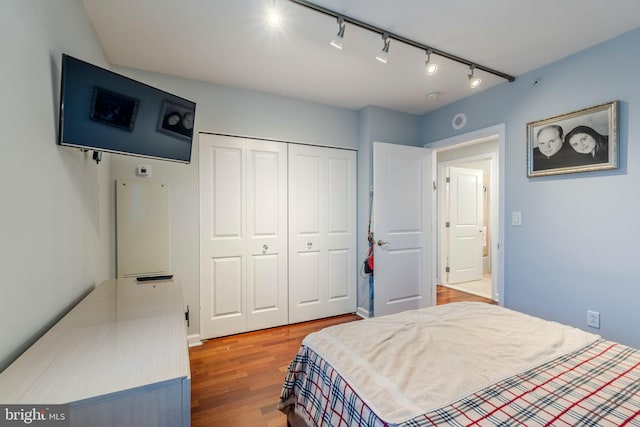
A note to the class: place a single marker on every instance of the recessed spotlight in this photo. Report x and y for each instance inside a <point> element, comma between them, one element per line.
<point>274,18</point>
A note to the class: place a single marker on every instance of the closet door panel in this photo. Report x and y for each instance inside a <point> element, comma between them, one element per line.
<point>306,293</point>
<point>322,228</point>
<point>307,194</point>
<point>339,274</point>
<point>223,235</point>
<point>339,193</point>
<point>226,285</point>
<point>267,234</point>
<point>265,290</point>
<point>341,232</point>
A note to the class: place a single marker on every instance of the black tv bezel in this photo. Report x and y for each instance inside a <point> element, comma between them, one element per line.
<point>90,147</point>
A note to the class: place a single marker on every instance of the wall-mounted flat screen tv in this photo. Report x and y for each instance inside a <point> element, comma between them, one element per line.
<point>104,111</point>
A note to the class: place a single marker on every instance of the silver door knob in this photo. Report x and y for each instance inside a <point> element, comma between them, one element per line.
<point>309,244</point>
<point>382,242</point>
<point>265,248</point>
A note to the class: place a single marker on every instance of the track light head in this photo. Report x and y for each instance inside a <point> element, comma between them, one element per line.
<point>383,56</point>
<point>474,81</point>
<point>339,38</point>
<point>430,67</point>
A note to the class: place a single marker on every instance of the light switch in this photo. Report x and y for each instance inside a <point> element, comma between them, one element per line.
<point>516,218</point>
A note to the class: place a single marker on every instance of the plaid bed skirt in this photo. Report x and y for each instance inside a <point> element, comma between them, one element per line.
<point>598,385</point>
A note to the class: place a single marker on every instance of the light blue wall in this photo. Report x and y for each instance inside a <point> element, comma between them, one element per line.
<point>56,238</point>
<point>578,246</point>
<point>228,110</point>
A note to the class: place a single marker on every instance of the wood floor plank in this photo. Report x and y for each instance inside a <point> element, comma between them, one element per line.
<point>236,380</point>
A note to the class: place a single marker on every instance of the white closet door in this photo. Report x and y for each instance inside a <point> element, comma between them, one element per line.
<point>322,264</point>
<point>243,276</point>
<point>267,234</point>
<point>342,264</point>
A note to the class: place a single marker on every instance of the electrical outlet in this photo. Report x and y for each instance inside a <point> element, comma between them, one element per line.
<point>593,319</point>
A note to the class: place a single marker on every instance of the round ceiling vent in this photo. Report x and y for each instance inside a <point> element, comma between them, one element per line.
<point>459,120</point>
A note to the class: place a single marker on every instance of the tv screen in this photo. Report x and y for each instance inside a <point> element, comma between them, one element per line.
<point>104,111</point>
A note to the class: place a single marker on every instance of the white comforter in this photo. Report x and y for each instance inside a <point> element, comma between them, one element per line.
<point>413,362</point>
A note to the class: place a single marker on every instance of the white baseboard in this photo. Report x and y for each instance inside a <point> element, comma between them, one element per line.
<point>362,313</point>
<point>194,340</point>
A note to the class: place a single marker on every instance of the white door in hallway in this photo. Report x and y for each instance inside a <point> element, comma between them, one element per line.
<point>465,224</point>
<point>403,192</point>
<point>243,242</point>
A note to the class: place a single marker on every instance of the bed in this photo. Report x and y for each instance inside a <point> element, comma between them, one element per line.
<point>461,364</point>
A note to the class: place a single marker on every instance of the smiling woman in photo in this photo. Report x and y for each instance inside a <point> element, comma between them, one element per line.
<point>585,140</point>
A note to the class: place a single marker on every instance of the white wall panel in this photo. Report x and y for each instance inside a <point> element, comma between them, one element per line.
<point>142,228</point>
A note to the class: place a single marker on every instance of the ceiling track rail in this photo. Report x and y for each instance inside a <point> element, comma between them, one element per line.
<point>402,39</point>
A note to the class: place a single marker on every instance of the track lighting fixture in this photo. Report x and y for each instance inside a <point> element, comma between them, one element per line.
<point>474,81</point>
<point>337,40</point>
<point>430,67</point>
<point>383,56</point>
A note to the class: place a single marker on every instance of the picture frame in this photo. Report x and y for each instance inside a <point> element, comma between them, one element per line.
<point>176,120</point>
<point>581,141</point>
<point>114,109</point>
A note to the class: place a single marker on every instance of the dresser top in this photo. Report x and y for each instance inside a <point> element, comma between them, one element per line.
<point>122,335</point>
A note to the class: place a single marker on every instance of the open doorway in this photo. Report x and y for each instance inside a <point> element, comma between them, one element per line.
<point>464,213</point>
<point>468,210</point>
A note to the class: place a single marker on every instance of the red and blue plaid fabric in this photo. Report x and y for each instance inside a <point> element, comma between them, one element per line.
<point>598,385</point>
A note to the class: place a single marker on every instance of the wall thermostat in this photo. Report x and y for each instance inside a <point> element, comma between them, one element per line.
<point>143,170</point>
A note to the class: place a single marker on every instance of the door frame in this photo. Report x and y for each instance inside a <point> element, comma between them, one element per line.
<point>497,222</point>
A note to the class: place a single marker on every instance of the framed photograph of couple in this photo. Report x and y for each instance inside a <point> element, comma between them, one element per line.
<point>580,141</point>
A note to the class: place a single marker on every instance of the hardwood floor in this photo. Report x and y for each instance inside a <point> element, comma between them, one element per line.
<point>236,380</point>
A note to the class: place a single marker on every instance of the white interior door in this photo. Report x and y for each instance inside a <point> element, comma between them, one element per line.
<point>465,224</point>
<point>322,232</point>
<point>243,238</point>
<point>402,183</point>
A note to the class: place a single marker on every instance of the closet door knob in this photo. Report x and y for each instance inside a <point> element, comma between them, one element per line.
<point>265,248</point>
<point>309,244</point>
<point>382,242</point>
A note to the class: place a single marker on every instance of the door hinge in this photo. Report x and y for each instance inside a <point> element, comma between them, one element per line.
<point>186,316</point>
<point>447,224</point>
<point>447,180</point>
<point>446,269</point>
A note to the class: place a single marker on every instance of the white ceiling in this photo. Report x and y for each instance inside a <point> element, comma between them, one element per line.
<point>229,42</point>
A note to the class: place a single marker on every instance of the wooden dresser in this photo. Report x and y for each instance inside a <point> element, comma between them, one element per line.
<point>118,358</point>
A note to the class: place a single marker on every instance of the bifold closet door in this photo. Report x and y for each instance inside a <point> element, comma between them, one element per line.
<point>243,243</point>
<point>322,232</point>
